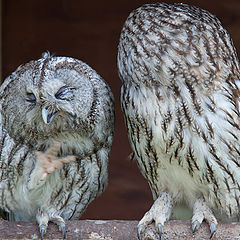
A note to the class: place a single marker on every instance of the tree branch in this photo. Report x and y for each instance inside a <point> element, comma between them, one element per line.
<point>114,229</point>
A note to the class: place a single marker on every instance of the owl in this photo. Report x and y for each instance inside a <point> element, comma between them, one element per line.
<point>180,97</point>
<point>56,131</point>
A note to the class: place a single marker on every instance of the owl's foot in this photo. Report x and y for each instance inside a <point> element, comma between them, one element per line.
<point>43,218</point>
<point>61,224</point>
<point>202,212</point>
<point>159,213</point>
<point>48,161</point>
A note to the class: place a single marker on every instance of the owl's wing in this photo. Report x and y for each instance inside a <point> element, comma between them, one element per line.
<point>237,82</point>
<point>15,157</point>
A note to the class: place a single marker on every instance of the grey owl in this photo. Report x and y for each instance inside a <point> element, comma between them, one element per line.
<point>56,131</point>
<point>180,97</point>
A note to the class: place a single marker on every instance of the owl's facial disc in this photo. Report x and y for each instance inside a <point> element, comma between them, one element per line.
<point>48,115</point>
<point>56,100</point>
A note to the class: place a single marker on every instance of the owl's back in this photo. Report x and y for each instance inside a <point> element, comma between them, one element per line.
<point>180,99</point>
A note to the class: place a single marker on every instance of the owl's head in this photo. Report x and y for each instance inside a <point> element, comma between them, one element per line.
<point>48,96</point>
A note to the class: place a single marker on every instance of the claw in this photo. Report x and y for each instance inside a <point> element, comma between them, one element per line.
<point>160,230</point>
<point>43,229</point>
<point>63,230</point>
<point>212,226</point>
<point>195,226</point>
<point>139,231</point>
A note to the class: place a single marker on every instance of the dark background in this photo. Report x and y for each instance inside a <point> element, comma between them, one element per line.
<point>89,30</point>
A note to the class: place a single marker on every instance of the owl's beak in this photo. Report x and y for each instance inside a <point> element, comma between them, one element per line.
<point>48,116</point>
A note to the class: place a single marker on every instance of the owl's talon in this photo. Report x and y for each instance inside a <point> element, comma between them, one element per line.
<point>62,228</point>
<point>201,212</point>
<point>63,232</point>
<point>213,228</point>
<point>160,230</point>
<point>159,213</point>
<point>43,229</point>
<point>195,226</point>
<point>139,231</point>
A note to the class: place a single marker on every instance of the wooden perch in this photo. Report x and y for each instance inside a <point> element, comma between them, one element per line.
<point>114,230</point>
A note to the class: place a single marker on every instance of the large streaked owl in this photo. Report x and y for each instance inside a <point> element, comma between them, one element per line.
<point>56,131</point>
<point>180,97</point>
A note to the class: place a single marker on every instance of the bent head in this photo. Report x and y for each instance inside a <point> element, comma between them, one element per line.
<point>47,96</point>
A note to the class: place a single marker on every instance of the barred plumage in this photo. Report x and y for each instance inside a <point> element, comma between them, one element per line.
<point>180,97</point>
<point>60,107</point>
